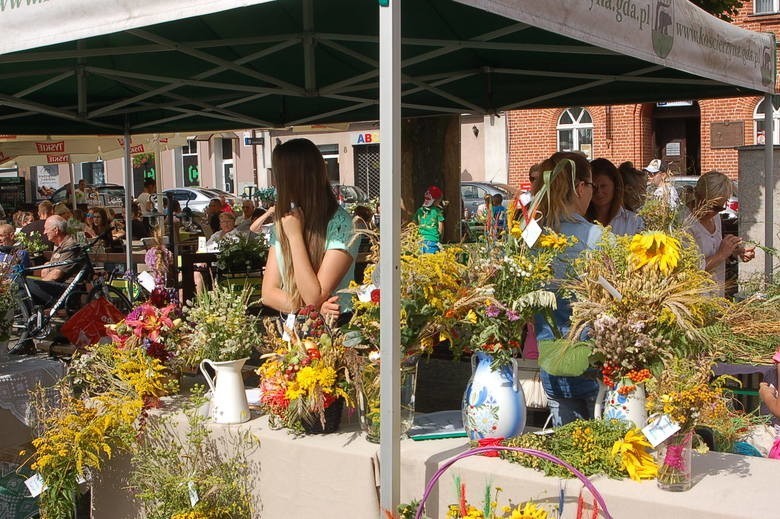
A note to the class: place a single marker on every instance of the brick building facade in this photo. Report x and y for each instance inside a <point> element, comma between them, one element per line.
<point>696,136</point>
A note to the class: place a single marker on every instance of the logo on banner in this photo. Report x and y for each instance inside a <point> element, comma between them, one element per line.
<point>663,28</point>
<point>138,148</point>
<point>58,159</point>
<point>50,147</point>
<point>766,66</point>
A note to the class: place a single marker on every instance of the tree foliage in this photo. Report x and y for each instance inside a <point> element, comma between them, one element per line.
<point>723,9</point>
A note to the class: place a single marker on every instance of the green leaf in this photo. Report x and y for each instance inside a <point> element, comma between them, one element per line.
<point>564,358</point>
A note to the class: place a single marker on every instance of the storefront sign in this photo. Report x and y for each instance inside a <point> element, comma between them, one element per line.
<point>359,139</point>
<point>58,159</point>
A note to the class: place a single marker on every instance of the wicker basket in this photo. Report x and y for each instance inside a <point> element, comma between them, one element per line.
<point>532,452</point>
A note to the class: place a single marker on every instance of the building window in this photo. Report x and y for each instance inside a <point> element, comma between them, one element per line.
<point>575,131</point>
<point>330,153</point>
<point>189,164</point>
<point>758,117</point>
<point>766,6</point>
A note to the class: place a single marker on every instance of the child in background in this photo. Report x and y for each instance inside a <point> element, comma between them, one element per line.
<point>498,223</point>
<point>430,220</point>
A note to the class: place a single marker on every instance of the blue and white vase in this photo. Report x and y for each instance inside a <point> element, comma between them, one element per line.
<point>615,403</point>
<point>493,403</point>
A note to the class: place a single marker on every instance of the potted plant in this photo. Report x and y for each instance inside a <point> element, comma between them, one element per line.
<point>242,253</point>
<point>221,334</point>
<point>8,302</point>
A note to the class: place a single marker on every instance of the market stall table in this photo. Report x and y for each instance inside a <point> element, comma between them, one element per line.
<point>336,476</point>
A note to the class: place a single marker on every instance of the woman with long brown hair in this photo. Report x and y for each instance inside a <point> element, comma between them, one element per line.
<point>313,243</point>
<point>606,207</point>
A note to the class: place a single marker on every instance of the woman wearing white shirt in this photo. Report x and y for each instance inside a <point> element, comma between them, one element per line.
<point>606,206</point>
<point>702,220</point>
<point>227,227</point>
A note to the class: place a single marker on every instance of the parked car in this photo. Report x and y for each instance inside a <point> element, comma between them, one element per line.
<point>349,194</point>
<point>681,182</point>
<point>198,198</point>
<point>473,194</point>
<point>112,195</point>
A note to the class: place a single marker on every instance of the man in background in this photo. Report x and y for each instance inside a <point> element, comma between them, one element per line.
<point>45,210</point>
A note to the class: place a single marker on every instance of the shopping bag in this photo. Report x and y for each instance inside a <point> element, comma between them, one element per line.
<point>88,325</point>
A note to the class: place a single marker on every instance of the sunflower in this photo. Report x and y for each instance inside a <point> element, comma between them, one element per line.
<point>633,455</point>
<point>656,249</point>
<point>529,511</point>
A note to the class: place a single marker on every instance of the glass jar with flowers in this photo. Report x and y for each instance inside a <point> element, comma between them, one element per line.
<point>306,380</point>
<point>433,288</point>
<point>222,335</point>
<point>685,395</point>
<point>515,277</point>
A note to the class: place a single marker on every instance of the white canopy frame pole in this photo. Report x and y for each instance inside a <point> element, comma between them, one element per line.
<point>72,172</point>
<point>769,185</point>
<point>128,206</point>
<point>389,196</point>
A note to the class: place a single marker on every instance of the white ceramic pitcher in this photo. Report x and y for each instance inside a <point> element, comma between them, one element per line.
<point>228,397</point>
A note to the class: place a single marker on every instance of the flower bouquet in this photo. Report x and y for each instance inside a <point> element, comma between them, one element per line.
<point>306,381</point>
<point>638,301</point>
<point>218,326</point>
<point>221,335</point>
<point>610,447</point>
<point>490,508</point>
<point>685,394</point>
<point>432,293</point>
<point>155,326</point>
<point>515,281</point>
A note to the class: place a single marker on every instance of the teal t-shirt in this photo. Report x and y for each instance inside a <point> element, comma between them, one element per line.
<point>428,219</point>
<point>340,235</point>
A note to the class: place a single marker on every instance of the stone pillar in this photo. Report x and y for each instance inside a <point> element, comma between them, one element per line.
<point>751,205</point>
<point>431,156</point>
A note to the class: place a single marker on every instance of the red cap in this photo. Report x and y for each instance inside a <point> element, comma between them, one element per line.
<point>435,192</point>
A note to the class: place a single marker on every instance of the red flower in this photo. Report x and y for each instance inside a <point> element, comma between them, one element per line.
<point>375,295</point>
<point>490,442</point>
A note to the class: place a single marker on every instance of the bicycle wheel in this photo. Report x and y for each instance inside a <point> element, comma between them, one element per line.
<point>26,329</point>
<point>113,294</point>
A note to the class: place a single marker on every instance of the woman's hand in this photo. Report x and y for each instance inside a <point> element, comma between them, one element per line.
<point>729,245</point>
<point>331,310</point>
<point>292,222</point>
<point>746,253</point>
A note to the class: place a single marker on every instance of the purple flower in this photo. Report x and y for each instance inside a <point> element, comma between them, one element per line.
<point>512,315</point>
<point>135,313</point>
<point>493,311</point>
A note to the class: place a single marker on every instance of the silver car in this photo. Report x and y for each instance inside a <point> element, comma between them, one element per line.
<point>731,212</point>
<point>198,198</point>
<point>473,194</point>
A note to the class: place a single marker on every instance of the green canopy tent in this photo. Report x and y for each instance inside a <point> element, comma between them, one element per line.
<point>176,65</point>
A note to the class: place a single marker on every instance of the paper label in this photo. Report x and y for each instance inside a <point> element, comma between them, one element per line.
<point>531,233</point>
<point>146,280</point>
<point>289,324</point>
<point>35,485</point>
<point>201,243</point>
<point>193,492</point>
<point>609,287</point>
<point>660,429</point>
